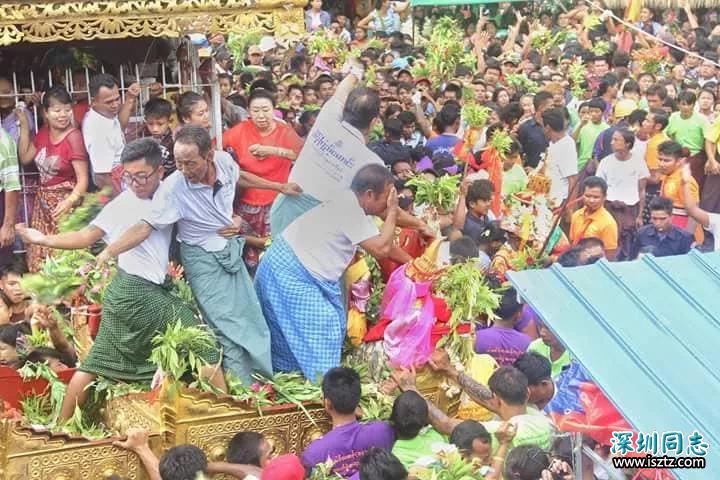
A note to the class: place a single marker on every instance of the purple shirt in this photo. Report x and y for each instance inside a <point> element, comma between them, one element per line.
<point>504,344</point>
<point>346,445</point>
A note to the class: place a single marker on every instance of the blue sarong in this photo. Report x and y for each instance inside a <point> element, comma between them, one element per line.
<point>286,209</point>
<point>226,297</point>
<point>305,314</point>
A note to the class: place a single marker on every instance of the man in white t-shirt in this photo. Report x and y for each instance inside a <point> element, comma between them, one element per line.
<point>626,175</point>
<point>561,156</point>
<point>136,304</point>
<point>103,128</point>
<point>298,280</point>
<point>709,221</point>
<point>335,149</point>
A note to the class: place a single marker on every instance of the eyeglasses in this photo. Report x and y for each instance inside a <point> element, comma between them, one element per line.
<point>139,178</point>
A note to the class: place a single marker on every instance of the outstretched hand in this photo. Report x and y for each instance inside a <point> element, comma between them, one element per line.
<point>137,438</point>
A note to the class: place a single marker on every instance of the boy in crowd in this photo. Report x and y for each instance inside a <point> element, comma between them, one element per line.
<point>14,304</point>
<point>348,440</point>
<point>157,126</point>
<point>472,213</point>
<point>501,341</point>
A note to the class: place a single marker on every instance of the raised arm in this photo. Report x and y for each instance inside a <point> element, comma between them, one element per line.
<point>137,442</point>
<point>26,149</point>
<point>250,180</point>
<point>130,105</point>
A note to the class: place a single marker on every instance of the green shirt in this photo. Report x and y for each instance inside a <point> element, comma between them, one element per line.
<point>9,170</point>
<point>514,180</point>
<point>409,451</point>
<point>689,133</point>
<point>533,428</point>
<point>539,346</point>
<point>586,141</point>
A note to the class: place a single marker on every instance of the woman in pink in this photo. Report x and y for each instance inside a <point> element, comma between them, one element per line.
<point>266,147</point>
<point>59,153</point>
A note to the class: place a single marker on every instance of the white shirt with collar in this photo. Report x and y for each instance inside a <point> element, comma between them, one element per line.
<point>104,141</point>
<point>149,260</point>
<point>333,153</point>
<point>199,210</point>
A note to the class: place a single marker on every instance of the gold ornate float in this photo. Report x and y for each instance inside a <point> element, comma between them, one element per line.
<point>67,20</point>
<point>176,417</point>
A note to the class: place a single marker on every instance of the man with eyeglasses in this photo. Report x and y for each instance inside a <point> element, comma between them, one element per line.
<point>136,304</point>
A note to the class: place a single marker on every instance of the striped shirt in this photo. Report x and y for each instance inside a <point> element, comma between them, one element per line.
<point>9,171</point>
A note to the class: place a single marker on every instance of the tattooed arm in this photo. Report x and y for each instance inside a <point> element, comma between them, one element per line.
<point>479,393</point>
<point>405,380</point>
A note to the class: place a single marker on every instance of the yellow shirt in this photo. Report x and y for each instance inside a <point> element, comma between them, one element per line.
<point>651,154</point>
<point>598,224</point>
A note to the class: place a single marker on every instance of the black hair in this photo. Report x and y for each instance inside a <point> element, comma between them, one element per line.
<point>479,190</point>
<point>244,448</point>
<point>409,415</point>
<point>142,148</point>
<point>406,86</point>
<point>393,128</point>
<point>657,90</point>
<point>540,98</point>
<point>672,149</point>
<point>361,107</point>
<point>627,136</point>
<point>452,87</point>
<point>307,115</point>
<point>589,242</point>
<point>101,80</point>
<point>462,249</point>
<point>263,84</point>
<point>322,79</point>
<point>509,305</point>
<point>510,385</point>
<point>194,135</point>
<point>379,464</point>
<point>595,182</point>
<point>526,462</point>
<point>511,113</point>
<point>58,93</point>
<point>466,432</point>
<point>42,354</point>
<point>449,114</point>
<point>637,116</point>
<point>492,233</point>
<point>570,257</point>
<point>554,119</point>
<point>687,97</point>
<point>534,366</point>
<point>183,462</point>
<point>598,103</point>
<point>371,177</point>
<point>296,62</point>
<point>341,385</point>
<point>157,108</point>
<point>708,90</point>
<point>186,103</point>
<point>497,91</point>
<point>660,117</point>
<point>9,333</point>
<point>16,266</point>
<point>261,93</point>
<point>661,203</point>
<point>294,86</point>
<point>631,86</point>
<point>407,118</point>
<point>671,104</point>
<point>392,110</point>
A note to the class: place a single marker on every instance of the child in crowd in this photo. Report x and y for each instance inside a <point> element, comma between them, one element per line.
<point>158,113</point>
<point>415,436</point>
<point>472,213</point>
<point>14,304</point>
<point>514,178</point>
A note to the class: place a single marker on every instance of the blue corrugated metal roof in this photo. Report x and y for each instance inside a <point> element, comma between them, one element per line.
<point>648,332</point>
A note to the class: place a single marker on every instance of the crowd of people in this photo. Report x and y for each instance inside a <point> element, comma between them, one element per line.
<point>317,160</point>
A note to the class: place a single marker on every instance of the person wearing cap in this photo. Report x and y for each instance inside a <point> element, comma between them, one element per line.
<point>255,56</point>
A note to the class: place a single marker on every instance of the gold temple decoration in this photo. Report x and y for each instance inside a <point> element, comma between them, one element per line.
<point>67,20</point>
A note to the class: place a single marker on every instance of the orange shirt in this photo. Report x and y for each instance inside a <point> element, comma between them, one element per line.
<point>672,188</point>
<point>598,224</point>
<point>274,169</point>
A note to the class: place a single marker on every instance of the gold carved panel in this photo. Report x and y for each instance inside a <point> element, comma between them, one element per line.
<point>62,20</point>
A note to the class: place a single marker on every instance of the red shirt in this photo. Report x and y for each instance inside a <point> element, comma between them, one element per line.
<point>54,160</point>
<point>274,169</point>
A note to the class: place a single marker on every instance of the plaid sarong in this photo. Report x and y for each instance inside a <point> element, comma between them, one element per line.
<point>305,314</point>
<point>134,311</point>
<point>286,209</point>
